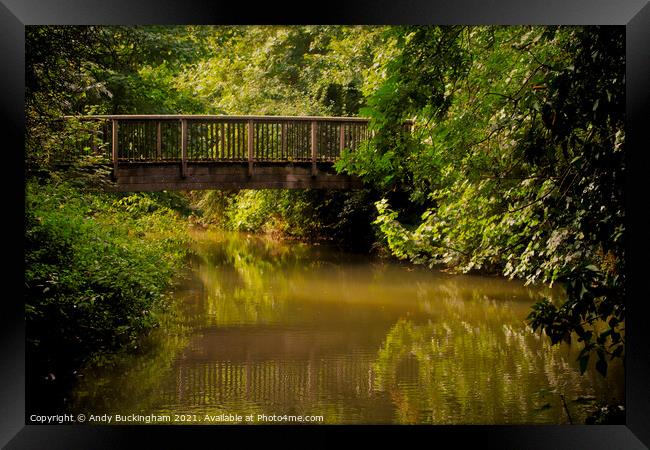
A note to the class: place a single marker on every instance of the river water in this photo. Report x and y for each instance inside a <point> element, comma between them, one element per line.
<point>268,328</point>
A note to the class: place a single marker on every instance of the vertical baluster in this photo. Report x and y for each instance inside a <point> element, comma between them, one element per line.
<point>144,152</point>
<point>231,142</point>
<point>268,142</point>
<point>158,140</point>
<point>212,141</point>
<point>283,139</point>
<point>194,135</point>
<point>250,147</point>
<point>147,140</point>
<point>238,151</point>
<point>193,150</point>
<point>240,138</point>
<point>150,147</point>
<point>314,146</point>
<point>259,147</point>
<point>232,147</point>
<point>114,147</point>
<point>183,148</point>
<point>258,153</point>
<point>224,143</point>
<point>328,141</point>
<point>133,141</point>
<point>126,140</point>
<point>262,140</point>
<point>140,140</point>
<point>143,141</point>
<point>145,132</point>
<point>233,136</point>
<point>125,143</point>
<point>204,140</point>
<point>277,140</point>
<point>208,140</point>
<point>215,140</point>
<point>122,141</point>
<point>220,144</point>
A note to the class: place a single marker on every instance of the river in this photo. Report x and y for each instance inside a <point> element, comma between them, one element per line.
<point>266,328</point>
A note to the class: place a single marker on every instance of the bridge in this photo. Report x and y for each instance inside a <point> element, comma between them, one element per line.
<point>193,152</point>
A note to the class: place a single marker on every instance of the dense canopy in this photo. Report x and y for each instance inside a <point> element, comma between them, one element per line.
<point>515,165</point>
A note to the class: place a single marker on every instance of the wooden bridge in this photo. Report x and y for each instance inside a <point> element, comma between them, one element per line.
<point>189,152</point>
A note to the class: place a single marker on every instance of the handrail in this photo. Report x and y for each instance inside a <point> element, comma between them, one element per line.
<point>220,117</point>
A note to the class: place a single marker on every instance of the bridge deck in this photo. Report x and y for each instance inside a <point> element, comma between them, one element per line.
<point>187,152</point>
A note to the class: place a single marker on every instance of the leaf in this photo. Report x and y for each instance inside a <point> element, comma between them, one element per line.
<point>584,360</point>
<point>596,104</point>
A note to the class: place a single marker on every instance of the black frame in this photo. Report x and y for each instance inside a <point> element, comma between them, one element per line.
<point>634,14</point>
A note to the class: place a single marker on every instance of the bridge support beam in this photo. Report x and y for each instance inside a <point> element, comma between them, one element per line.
<point>148,176</point>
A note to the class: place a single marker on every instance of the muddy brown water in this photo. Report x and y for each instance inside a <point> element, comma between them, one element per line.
<point>283,329</point>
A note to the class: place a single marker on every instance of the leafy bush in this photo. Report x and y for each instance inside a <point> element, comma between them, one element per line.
<point>96,269</point>
<point>342,216</point>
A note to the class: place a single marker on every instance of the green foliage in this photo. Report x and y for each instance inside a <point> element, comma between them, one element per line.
<point>417,79</point>
<point>274,70</point>
<point>341,216</point>
<point>96,269</point>
<point>518,164</point>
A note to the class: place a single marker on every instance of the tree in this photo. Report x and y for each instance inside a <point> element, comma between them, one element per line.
<point>518,165</point>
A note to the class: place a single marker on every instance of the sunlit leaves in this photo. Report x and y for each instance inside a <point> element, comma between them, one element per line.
<point>522,170</point>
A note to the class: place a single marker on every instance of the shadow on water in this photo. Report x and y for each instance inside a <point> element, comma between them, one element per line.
<point>287,328</point>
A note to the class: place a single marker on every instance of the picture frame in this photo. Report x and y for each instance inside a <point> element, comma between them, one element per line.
<point>633,14</point>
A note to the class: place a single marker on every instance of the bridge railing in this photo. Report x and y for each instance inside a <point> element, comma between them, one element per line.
<point>206,138</point>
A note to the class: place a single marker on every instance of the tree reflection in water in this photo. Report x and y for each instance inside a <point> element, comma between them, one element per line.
<point>288,328</point>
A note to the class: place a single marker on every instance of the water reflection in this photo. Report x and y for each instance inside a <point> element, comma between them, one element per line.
<point>286,328</point>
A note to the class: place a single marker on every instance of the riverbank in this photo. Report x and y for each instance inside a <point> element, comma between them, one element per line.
<point>97,266</point>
